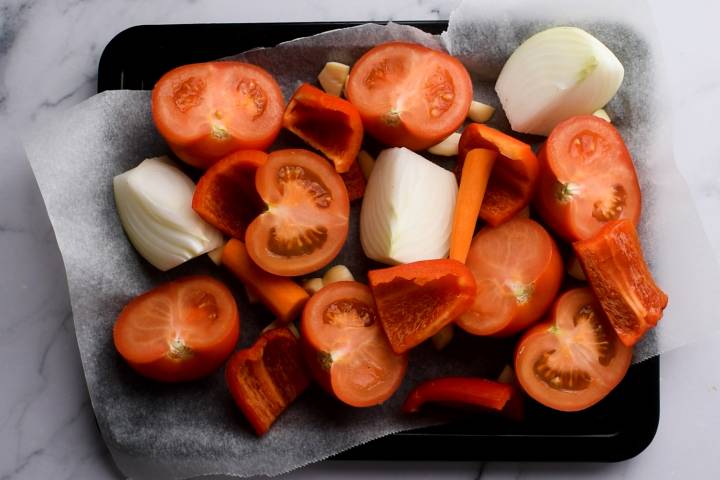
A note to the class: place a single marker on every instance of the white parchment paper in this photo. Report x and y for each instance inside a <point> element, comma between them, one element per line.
<point>180,431</point>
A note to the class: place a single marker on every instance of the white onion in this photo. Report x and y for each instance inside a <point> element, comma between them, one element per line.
<point>554,75</point>
<point>154,201</point>
<point>407,209</point>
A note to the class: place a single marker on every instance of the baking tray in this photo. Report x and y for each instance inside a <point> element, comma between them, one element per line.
<point>618,428</point>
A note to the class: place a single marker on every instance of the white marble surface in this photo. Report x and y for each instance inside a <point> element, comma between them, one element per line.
<point>49,50</point>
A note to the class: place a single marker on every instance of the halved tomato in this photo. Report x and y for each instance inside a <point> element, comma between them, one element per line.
<point>587,178</point>
<point>346,348</point>
<point>409,95</point>
<point>518,270</point>
<point>306,221</point>
<point>207,110</point>
<point>573,360</point>
<point>181,330</point>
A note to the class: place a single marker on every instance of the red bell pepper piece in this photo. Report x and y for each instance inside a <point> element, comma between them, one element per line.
<point>464,391</point>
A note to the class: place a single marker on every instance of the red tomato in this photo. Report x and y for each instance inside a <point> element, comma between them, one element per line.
<point>181,330</point>
<point>518,270</point>
<point>587,178</point>
<point>306,223</point>
<point>573,360</point>
<point>267,377</point>
<point>225,195</point>
<point>409,95</point>
<point>346,348</point>
<point>207,110</point>
<point>416,300</point>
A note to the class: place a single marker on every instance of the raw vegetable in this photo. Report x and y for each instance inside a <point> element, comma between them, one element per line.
<point>459,391</point>
<point>448,147</point>
<point>518,270</point>
<point>409,95</point>
<point>277,324</point>
<point>333,76</point>
<point>573,360</point>
<point>480,112</point>
<point>182,330</point>
<point>587,178</point>
<point>601,113</point>
<point>280,295</point>
<point>313,285</point>
<point>338,273</point>
<point>346,348</point>
<point>416,300</point>
<point>406,213</point>
<point>554,75</point>
<point>266,378</point>
<point>306,222</point>
<point>354,181</point>
<point>206,111</point>
<point>366,162</point>
<point>514,175</point>
<point>475,175</point>
<point>618,275</point>
<point>216,255</point>
<point>154,204</point>
<point>326,122</point>
<point>225,195</point>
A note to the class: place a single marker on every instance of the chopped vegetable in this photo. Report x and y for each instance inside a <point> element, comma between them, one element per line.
<point>267,377</point>
<point>448,147</point>
<point>216,255</point>
<point>154,204</point>
<point>416,300</point>
<point>601,113</point>
<point>333,76</point>
<point>225,195</point>
<point>614,265</point>
<point>180,331</point>
<point>313,285</point>
<point>554,75</point>
<point>338,273</point>
<point>278,324</point>
<point>366,162</point>
<point>355,182</point>
<point>407,210</point>
<point>480,112</point>
<point>475,174</point>
<point>280,295</point>
<point>443,338</point>
<point>514,175</point>
<point>459,391</point>
<point>326,122</point>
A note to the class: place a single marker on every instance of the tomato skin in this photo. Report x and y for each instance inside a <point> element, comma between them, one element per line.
<point>193,357</point>
<point>463,391</point>
<point>267,377</point>
<point>514,177</point>
<point>339,353</point>
<point>518,269</point>
<point>618,275</point>
<point>409,95</point>
<point>416,300</point>
<point>567,344</point>
<point>307,220</point>
<point>206,111</point>
<point>587,178</point>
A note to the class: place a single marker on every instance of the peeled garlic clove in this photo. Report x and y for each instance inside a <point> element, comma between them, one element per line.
<point>601,113</point>
<point>480,112</point>
<point>313,285</point>
<point>332,77</point>
<point>338,273</point>
<point>448,147</point>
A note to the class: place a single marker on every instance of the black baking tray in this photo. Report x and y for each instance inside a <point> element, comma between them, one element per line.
<point>618,428</point>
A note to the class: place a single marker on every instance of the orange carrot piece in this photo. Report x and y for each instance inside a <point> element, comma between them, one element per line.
<point>473,182</point>
<point>280,295</point>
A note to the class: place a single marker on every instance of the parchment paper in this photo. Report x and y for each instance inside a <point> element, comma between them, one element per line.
<point>166,431</point>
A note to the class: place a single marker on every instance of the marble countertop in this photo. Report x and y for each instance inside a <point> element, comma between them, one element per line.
<point>49,51</point>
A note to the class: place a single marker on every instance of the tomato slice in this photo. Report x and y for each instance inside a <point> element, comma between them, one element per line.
<point>518,269</point>
<point>587,178</point>
<point>346,348</point>
<point>306,223</point>
<point>416,300</point>
<point>614,265</point>
<point>575,359</point>
<point>225,195</point>
<point>326,122</point>
<point>181,330</point>
<point>514,175</point>
<point>267,377</point>
<point>207,110</point>
<point>409,95</point>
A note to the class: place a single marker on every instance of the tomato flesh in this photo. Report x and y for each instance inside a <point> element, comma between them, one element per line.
<point>518,269</point>
<point>306,221</point>
<point>575,359</point>
<point>345,346</point>
<point>409,95</point>
<point>181,330</point>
